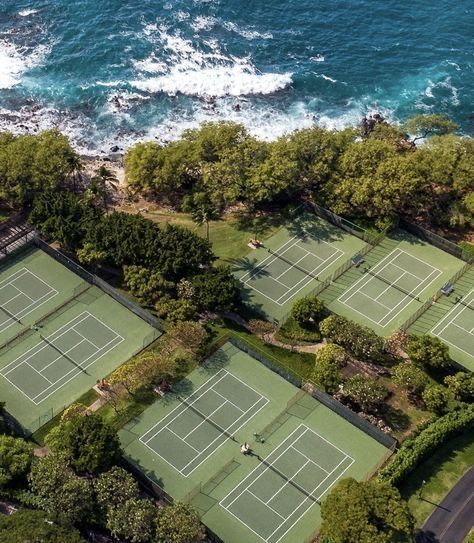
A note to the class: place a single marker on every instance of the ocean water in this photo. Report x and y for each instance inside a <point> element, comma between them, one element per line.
<point>111,72</point>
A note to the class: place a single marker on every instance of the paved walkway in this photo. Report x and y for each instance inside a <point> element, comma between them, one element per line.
<point>452,519</point>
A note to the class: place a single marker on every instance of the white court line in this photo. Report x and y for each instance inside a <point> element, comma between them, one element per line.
<point>265,504</point>
<point>451,321</point>
<point>205,419</point>
<point>187,408</point>
<point>307,457</point>
<point>367,278</point>
<point>259,265</point>
<point>287,483</point>
<point>34,305</point>
<point>228,401</point>
<point>60,356</point>
<point>180,438</point>
<point>249,476</point>
<point>36,371</point>
<point>79,318</point>
<point>308,277</point>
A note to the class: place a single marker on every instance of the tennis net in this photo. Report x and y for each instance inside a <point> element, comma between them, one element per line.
<point>289,480</point>
<point>293,265</point>
<point>466,304</point>
<point>390,283</point>
<point>62,353</point>
<point>206,418</point>
<point>11,315</point>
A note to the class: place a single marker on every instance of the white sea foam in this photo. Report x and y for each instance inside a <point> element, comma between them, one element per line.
<point>247,33</point>
<point>202,22</point>
<point>186,69</point>
<point>27,12</point>
<point>318,58</point>
<point>14,62</point>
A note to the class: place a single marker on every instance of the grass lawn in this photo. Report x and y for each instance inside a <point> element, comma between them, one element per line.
<point>229,236</point>
<point>441,472</point>
<point>401,415</point>
<point>299,364</point>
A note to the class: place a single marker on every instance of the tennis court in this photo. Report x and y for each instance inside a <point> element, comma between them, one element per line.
<point>189,444</point>
<point>21,293</point>
<point>286,484</point>
<point>58,335</point>
<point>291,267</point>
<point>385,289</point>
<point>457,327</point>
<point>58,358</point>
<point>292,263</point>
<point>203,422</point>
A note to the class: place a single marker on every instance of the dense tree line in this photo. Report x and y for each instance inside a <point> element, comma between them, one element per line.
<point>79,486</point>
<point>374,173</point>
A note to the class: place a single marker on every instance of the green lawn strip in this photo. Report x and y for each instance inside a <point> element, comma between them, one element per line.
<point>299,364</point>
<point>229,236</point>
<point>441,472</point>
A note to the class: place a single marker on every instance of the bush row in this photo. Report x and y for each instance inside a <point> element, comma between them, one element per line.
<point>415,450</point>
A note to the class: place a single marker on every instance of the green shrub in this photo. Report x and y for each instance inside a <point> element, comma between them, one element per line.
<point>415,450</point>
<point>359,340</point>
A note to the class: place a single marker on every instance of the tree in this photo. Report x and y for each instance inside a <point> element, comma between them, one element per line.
<point>307,311</point>
<point>147,285</point>
<point>428,351</point>
<point>202,209</point>
<point>114,488</point>
<point>461,384</point>
<point>410,377</point>
<point>33,164</point>
<point>90,256</point>
<point>332,353</point>
<point>101,182</point>
<point>359,340</point>
<point>216,288</point>
<point>89,443</point>
<point>326,375</point>
<point>366,393</point>
<point>176,310</point>
<point>365,512</point>
<point>132,520</point>
<point>15,459</point>
<point>35,527</point>
<point>76,409</point>
<point>191,335</point>
<point>58,491</point>
<point>436,398</point>
<point>178,523</point>
<point>427,125</point>
<point>64,217</point>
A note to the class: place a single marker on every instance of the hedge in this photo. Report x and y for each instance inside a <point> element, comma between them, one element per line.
<point>415,450</point>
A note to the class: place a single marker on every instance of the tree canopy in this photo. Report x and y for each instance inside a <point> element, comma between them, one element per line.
<point>89,444</point>
<point>366,512</point>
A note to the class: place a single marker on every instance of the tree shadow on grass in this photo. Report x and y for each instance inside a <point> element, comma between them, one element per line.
<point>396,418</point>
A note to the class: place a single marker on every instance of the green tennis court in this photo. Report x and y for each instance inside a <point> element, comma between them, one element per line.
<point>388,287</point>
<point>56,359</point>
<point>21,293</point>
<point>285,485</point>
<point>189,443</point>
<point>58,336</point>
<point>457,327</point>
<point>293,262</point>
<point>205,420</point>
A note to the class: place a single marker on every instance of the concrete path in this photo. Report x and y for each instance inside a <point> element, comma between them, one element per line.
<point>452,519</point>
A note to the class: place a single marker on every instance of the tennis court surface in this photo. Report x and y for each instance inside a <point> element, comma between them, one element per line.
<point>457,327</point>
<point>387,288</point>
<point>292,263</point>
<point>58,358</point>
<point>189,444</point>
<point>279,491</point>
<point>58,336</point>
<point>21,293</point>
<point>205,420</point>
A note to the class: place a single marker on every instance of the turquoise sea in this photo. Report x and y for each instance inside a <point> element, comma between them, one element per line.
<point>110,72</point>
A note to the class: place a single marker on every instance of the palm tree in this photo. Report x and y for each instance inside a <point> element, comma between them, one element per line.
<point>202,210</point>
<point>102,181</point>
